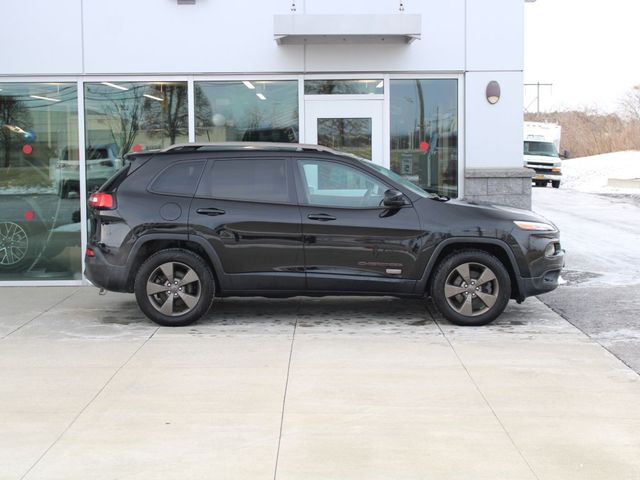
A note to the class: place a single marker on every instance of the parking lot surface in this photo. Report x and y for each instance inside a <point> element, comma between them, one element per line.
<point>334,388</point>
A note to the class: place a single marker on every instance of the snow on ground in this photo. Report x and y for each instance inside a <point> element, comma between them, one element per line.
<point>590,174</point>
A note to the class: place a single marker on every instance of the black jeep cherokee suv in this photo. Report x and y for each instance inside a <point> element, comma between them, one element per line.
<point>181,226</point>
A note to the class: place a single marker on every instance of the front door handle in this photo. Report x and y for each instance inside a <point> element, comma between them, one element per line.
<point>213,212</point>
<point>323,217</point>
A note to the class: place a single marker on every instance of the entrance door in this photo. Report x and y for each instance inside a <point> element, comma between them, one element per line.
<point>353,126</point>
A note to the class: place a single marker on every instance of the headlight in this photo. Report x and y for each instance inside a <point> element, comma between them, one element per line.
<point>534,226</point>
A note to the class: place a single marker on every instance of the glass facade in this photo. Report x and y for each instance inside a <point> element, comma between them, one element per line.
<point>424,133</point>
<point>40,157</point>
<point>343,87</point>
<point>121,117</point>
<point>39,227</point>
<point>248,111</point>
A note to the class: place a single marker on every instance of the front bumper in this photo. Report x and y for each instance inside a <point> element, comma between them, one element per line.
<point>548,281</point>
<point>554,177</point>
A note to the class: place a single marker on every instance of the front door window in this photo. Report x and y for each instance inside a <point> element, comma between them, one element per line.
<point>337,185</point>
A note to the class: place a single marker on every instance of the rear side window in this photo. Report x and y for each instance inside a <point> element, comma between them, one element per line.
<point>260,180</point>
<point>116,179</point>
<point>179,179</point>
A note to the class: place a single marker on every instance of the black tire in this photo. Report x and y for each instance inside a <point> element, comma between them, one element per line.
<point>63,190</point>
<point>164,296</point>
<point>471,303</point>
<point>555,183</point>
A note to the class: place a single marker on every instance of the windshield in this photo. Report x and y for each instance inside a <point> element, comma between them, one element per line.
<point>398,179</point>
<point>546,149</point>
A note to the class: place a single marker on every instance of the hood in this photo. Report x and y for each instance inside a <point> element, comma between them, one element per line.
<point>478,209</point>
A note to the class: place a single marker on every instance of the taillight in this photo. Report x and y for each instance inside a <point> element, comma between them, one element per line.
<point>89,252</point>
<point>101,201</point>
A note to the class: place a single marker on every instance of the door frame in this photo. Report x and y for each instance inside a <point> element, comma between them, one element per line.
<point>383,98</point>
<point>352,107</point>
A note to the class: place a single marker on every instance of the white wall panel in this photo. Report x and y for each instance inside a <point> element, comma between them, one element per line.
<point>440,49</point>
<point>494,132</point>
<point>40,37</point>
<point>124,36</point>
<point>495,35</point>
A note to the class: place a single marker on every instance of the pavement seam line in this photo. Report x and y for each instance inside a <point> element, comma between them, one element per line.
<point>73,421</point>
<point>495,415</point>
<point>41,313</point>
<point>286,386</point>
<point>588,335</point>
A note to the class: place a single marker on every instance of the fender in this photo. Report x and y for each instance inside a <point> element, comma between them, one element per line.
<point>206,246</point>
<point>421,284</point>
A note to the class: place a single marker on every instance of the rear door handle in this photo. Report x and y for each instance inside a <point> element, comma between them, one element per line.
<point>213,212</point>
<point>322,217</point>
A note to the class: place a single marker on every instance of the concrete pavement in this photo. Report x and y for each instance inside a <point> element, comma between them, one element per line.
<point>363,388</point>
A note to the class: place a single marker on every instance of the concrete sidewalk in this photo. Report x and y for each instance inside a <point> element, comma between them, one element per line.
<point>364,388</point>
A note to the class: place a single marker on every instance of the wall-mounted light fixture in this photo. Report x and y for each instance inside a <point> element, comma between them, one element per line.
<point>493,92</point>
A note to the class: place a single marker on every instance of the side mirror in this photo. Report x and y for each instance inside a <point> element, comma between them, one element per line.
<point>566,154</point>
<point>394,198</point>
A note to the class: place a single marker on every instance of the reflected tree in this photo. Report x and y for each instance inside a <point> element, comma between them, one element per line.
<point>126,111</point>
<point>166,115</point>
<point>14,120</point>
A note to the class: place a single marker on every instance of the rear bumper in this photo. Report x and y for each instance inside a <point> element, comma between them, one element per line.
<point>105,275</point>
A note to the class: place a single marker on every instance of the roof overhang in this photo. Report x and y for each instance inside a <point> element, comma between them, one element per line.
<point>309,29</point>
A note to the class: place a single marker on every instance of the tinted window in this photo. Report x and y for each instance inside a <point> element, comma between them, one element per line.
<point>179,179</point>
<point>335,184</point>
<point>263,180</point>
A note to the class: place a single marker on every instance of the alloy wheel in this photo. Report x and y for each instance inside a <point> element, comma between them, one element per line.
<point>173,289</point>
<point>471,289</point>
<point>14,243</point>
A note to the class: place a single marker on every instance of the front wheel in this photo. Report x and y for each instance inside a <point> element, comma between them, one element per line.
<point>174,287</point>
<point>555,183</point>
<point>471,287</point>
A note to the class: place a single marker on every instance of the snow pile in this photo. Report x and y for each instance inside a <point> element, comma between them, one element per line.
<point>590,174</point>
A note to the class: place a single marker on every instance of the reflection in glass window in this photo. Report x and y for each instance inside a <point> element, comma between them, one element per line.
<point>39,227</point>
<point>343,87</point>
<point>249,111</point>
<point>338,185</point>
<point>352,135</point>
<point>122,117</point>
<point>424,133</point>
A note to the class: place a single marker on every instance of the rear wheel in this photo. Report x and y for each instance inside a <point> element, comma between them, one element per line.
<point>174,287</point>
<point>17,247</point>
<point>471,287</point>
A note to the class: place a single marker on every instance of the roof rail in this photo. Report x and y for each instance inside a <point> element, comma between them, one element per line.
<point>229,146</point>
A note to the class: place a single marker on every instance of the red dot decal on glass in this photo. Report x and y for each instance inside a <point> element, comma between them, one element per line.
<point>137,147</point>
<point>29,215</point>
<point>27,149</point>
<point>424,146</point>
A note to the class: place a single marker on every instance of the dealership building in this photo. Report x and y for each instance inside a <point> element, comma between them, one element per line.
<point>431,89</point>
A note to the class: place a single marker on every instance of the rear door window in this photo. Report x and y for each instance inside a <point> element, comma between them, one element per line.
<point>253,180</point>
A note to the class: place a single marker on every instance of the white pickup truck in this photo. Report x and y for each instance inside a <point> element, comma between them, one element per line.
<point>541,145</point>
